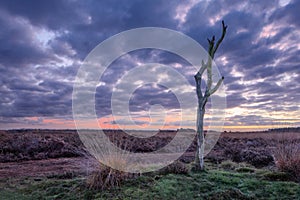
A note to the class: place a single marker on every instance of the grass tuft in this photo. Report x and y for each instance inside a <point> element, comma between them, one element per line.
<point>228,165</point>
<point>245,170</point>
<point>110,176</point>
<point>176,167</point>
<point>277,176</point>
<point>106,178</point>
<point>287,157</point>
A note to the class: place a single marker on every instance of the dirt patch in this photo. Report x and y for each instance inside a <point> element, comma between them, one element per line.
<point>48,167</point>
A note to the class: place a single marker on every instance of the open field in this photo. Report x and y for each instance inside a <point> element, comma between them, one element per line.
<point>53,164</point>
<point>213,184</point>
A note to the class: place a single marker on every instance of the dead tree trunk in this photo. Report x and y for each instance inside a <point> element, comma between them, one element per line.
<point>203,97</point>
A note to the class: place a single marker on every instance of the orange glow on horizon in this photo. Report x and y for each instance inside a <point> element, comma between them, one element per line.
<point>109,123</point>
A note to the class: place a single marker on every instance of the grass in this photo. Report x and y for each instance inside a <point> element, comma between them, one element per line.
<point>287,156</point>
<point>212,184</point>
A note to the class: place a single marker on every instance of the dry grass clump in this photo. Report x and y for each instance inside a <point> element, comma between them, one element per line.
<point>287,156</point>
<point>110,176</point>
<point>106,178</point>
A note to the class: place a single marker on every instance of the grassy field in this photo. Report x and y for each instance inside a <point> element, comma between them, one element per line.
<point>46,165</point>
<point>212,184</point>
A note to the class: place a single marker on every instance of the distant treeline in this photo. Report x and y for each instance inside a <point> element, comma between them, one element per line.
<point>287,129</point>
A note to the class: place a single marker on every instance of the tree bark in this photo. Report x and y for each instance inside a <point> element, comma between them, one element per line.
<point>199,159</point>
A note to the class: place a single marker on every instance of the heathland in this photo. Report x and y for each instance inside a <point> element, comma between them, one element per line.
<point>54,164</point>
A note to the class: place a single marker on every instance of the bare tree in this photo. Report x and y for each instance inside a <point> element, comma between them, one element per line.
<point>203,97</point>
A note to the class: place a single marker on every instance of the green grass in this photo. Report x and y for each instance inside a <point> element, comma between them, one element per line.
<point>212,184</point>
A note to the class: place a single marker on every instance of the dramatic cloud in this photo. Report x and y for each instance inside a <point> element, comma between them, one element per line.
<point>43,44</point>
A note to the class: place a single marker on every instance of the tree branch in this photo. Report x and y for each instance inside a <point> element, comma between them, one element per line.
<point>217,86</point>
<point>224,28</point>
<point>211,45</point>
<point>204,101</point>
<point>202,69</point>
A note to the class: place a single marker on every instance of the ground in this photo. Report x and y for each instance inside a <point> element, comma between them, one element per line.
<point>48,164</point>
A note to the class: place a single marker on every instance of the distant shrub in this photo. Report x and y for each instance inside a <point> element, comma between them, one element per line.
<point>245,170</point>
<point>287,157</point>
<point>176,167</point>
<point>228,165</point>
<point>258,157</point>
<point>277,176</point>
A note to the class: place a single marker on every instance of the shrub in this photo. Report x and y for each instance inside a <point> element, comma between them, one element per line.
<point>176,167</point>
<point>258,157</point>
<point>228,165</point>
<point>245,170</point>
<point>287,157</point>
<point>277,176</point>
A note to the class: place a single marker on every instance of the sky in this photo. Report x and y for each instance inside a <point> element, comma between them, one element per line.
<point>44,43</point>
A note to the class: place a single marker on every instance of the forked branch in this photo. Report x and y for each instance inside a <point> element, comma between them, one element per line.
<point>224,29</point>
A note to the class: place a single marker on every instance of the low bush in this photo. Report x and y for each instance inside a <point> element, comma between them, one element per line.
<point>245,170</point>
<point>277,176</point>
<point>287,157</point>
<point>228,165</point>
<point>176,167</point>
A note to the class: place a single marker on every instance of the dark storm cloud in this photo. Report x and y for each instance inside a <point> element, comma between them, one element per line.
<point>102,100</point>
<point>149,95</point>
<point>28,101</point>
<point>236,87</point>
<point>106,18</point>
<point>290,13</point>
<point>17,46</point>
<point>267,88</point>
<point>152,13</point>
<point>251,120</point>
<point>146,96</point>
<point>54,14</point>
<point>36,76</point>
<point>235,100</point>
